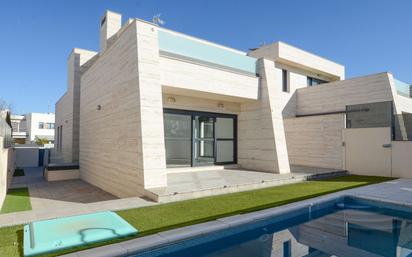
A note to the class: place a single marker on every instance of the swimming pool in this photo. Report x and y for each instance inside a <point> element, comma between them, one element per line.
<point>343,226</point>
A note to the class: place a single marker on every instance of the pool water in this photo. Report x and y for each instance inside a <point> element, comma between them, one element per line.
<point>345,227</point>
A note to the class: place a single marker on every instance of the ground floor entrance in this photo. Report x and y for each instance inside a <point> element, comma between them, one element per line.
<point>195,138</point>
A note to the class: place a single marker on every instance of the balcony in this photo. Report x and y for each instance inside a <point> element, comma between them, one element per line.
<point>403,88</point>
<point>188,48</point>
<point>19,134</point>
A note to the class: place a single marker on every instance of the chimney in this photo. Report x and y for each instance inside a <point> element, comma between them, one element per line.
<point>110,23</point>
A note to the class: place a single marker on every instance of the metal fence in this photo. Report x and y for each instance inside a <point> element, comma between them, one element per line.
<point>375,115</point>
<point>372,115</point>
<point>402,127</point>
<point>5,133</point>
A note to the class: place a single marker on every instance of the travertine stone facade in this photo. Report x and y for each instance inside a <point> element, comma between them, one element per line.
<point>110,143</point>
<point>110,24</point>
<point>68,107</point>
<point>261,133</point>
<point>115,103</point>
<point>336,95</point>
<point>318,140</point>
<point>152,152</point>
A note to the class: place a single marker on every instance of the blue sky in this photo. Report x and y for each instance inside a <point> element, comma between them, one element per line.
<point>367,36</point>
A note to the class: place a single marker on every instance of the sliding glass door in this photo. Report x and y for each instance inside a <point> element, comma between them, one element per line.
<point>225,140</point>
<point>199,138</point>
<point>204,140</point>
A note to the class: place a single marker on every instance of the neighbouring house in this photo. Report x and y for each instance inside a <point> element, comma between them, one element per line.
<point>28,127</point>
<point>153,101</point>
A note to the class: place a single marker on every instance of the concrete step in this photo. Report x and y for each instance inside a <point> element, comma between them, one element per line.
<point>171,194</point>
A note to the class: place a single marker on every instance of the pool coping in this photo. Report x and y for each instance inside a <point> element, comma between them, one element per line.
<point>137,245</point>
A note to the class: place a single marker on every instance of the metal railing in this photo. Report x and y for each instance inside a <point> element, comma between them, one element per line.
<point>370,115</point>
<point>374,115</point>
<point>403,88</point>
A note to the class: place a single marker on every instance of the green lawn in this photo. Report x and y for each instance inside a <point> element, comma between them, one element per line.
<point>17,199</point>
<point>19,172</point>
<point>149,220</point>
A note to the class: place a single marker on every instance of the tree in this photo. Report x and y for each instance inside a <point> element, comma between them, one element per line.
<point>4,105</point>
<point>41,141</point>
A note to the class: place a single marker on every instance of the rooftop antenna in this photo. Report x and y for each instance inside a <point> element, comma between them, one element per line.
<point>156,20</point>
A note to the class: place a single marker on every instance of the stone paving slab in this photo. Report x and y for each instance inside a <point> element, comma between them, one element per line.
<point>189,185</point>
<point>63,198</point>
<point>75,197</point>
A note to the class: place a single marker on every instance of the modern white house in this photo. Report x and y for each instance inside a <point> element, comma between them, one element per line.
<point>28,127</point>
<point>154,102</point>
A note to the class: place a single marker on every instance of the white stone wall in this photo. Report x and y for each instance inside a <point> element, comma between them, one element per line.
<point>110,138</point>
<point>401,161</point>
<point>6,169</point>
<point>68,106</point>
<point>151,132</point>
<point>335,96</point>
<point>261,139</point>
<point>187,75</point>
<point>317,140</point>
<point>312,64</point>
<point>191,103</point>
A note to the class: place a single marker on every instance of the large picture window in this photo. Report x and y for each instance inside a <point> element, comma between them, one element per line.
<point>199,138</point>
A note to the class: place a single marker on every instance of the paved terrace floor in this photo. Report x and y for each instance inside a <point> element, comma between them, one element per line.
<point>74,197</point>
<point>63,198</point>
<point>188,185</point>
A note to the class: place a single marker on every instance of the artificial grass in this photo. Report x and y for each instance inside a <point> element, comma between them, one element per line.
<point>17,199</point>
<point>152,219</point>
<point>18,172</point>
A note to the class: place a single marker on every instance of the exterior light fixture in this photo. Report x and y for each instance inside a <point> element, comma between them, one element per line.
<point>99,107</point>
<point>171,99</point>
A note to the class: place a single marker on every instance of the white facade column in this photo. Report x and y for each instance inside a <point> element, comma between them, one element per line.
<point>153,155</point>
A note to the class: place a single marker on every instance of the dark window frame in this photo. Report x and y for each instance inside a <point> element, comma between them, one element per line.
<point>310,81</point>
<point>285,81</point>
<point>214,115</point>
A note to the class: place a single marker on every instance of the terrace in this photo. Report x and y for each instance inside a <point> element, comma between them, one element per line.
<point>153,219</point>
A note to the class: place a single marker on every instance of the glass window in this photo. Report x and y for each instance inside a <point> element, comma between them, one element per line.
<point>41,125</point>
<point>314,81</point>
<point>285,81</point>
<point>178,139</point>
<point>224,128</point>
<point>225,143</point>
<point>50,125</point>
<point>225,151</point>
